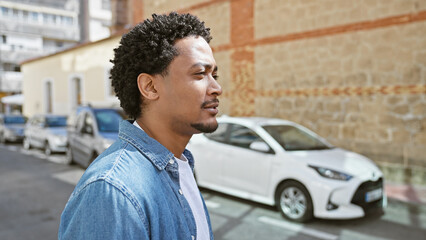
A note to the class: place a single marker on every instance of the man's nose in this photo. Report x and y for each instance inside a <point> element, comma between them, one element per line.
<point>214,88</point>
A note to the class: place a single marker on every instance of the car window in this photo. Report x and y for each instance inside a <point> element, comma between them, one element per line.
<point>88,120</point>
<point>220,134</point>
<point>292,138</point>
<point>108,120</point>
<point>56,121</point>
<point>14,120</point>
<point>36,121</point>
<point>242,136</point>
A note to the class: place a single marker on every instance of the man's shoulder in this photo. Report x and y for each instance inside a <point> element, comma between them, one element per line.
<point>121,166</point>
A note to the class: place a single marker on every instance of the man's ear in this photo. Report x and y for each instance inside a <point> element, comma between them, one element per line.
<point>146,85</point>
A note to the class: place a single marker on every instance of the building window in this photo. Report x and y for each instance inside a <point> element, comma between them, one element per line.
<point>4,11</point>
<point>26,15</point>
<point>48,96</point>
<point>34,16</point>
<point>48,18</point>
<point>106,4</point>
<point>3,39</point>
<point>67,20</point>
<point>15,13</point>
<point>76,92</point>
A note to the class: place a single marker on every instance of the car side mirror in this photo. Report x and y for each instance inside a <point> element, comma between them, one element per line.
<point>259,146</point>
<point>88,129</point>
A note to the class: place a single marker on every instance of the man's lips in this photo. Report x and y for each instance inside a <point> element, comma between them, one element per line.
<point>211,104</point>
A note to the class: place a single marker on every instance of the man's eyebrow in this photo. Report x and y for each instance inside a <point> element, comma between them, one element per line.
<point>204,65</point>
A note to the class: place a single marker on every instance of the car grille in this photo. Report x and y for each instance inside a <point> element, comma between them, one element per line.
<point>359,196</point>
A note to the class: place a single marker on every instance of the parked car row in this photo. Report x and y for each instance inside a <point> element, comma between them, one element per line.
<point>271,161</point>
<point>12,127</point>
<point>82,136</point>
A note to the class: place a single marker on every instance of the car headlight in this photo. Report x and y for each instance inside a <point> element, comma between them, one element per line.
<point>332,174</point>
<point>9,132</point>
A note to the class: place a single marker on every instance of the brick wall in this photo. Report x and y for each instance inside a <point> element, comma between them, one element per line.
<point>353,71</point>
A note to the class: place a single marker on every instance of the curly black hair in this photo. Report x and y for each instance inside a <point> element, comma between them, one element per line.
<point>149,48</point>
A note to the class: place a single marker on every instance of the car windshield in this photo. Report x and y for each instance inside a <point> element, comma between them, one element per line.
<point>57,121</point>
<point>108,120</point>
<point>295,139</point>
<point>14,120</point>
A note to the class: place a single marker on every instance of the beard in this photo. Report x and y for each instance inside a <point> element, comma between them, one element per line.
<point>205,128</point>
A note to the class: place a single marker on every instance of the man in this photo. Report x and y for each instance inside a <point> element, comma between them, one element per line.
<point>142,187</point>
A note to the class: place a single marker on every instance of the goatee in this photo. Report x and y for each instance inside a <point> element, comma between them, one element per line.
<point>205,128</point>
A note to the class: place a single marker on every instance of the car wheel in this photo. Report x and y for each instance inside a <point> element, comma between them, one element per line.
<point>2,138</point>
<point>94,156</point>
<point>294,202</point>
<point>47,149</point>
<point>69,156</point>
<point>26,143</point>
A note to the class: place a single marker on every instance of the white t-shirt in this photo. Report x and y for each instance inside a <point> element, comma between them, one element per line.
<point>192,195</point>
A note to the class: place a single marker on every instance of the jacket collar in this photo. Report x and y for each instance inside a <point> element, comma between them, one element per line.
<point>149,147</point>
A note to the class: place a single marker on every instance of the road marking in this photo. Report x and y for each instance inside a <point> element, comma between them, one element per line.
<point>57,159</point>
<point>71,177</point>
<point>298,228</point>
<point>39,155</point>
<point>211,204</point>
<point>12,148</point>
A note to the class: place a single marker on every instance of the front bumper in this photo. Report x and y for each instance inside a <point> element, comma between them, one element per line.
<point>58,144</point>
<point>360,200</point>
<point>349,201</point>
<point>14,137</point>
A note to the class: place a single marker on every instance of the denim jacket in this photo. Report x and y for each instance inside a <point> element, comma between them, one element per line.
<point>131,191</point>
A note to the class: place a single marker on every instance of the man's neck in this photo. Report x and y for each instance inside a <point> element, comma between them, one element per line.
<point>170,139</point>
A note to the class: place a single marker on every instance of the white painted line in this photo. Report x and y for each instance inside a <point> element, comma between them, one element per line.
<point>57,159</point>
<point>26,152</point>
<point>298,228</point>
<point>71,177</point>
<point>39,155</point>
<point>13,148</point>
<point>211,204</point>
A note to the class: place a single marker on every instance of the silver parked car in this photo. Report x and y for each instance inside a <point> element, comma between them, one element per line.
<point>48,132</point>
<point>12,127</point>
<point>90,132</point>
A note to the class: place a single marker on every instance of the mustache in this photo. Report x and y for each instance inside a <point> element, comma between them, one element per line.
<point>206,103</point>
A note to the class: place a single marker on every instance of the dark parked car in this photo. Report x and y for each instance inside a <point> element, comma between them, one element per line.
<point>12,127</point>
<point>90,132</point>
<point>48,132</point>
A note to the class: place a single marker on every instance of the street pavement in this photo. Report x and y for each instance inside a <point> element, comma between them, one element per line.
<point>34,189</point>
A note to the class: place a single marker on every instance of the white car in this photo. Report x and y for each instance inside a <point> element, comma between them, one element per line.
<point>48,132</point>
<point>278,162</point>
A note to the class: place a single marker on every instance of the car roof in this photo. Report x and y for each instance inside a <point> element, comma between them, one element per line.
<point>12,115</point>
<point>256,121</point>
<point>50,115</point>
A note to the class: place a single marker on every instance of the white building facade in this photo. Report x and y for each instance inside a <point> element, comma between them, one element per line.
<point>30,29</point>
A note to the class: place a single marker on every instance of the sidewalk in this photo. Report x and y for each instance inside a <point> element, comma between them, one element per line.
<point>406,193</point>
